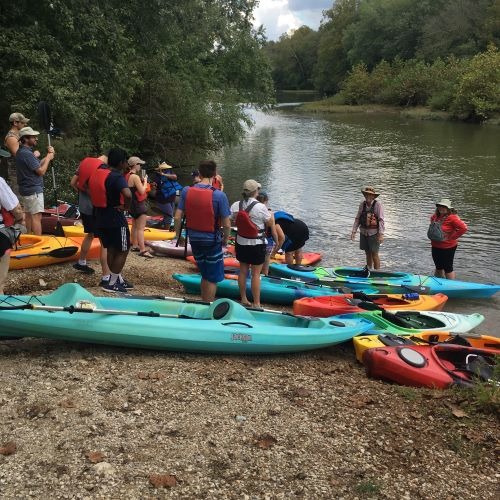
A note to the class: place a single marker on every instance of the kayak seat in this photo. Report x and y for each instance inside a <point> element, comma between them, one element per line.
<point>226,309</point>
<point>389,339</point>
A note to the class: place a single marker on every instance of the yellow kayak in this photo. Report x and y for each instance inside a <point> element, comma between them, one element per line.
<point>39,251</point>
<point>365,342</point>
<point>150,233</point>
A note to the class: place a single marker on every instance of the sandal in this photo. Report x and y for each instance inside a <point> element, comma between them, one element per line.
<point>146,254</point>
<point>134,249</point>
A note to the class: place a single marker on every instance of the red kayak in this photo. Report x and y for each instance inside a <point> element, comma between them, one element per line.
<point>331,305</point>
<point>437,366</point>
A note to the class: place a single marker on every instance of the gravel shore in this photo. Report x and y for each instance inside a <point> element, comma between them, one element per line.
<point>86,421</point>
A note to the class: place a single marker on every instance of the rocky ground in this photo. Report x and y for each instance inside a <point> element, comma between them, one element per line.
<point>85,421</point>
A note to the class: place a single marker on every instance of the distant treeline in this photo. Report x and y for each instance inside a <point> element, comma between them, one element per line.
<point>440,53</point>
<point>157,77</point>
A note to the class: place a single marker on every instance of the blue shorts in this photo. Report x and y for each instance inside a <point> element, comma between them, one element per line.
<point>209,259</point>
<point>115,237</point>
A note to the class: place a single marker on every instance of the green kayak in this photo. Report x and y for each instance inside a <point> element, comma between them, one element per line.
<point>73,313</point>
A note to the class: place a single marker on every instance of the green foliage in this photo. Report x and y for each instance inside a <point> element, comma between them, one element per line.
<point>154,74</point>
<point>478,93</point>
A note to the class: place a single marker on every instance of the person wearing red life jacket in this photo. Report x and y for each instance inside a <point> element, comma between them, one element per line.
<point>80,182</point>
<point>447,228</point>
<point>370,221</point>
<point>110,197</point>
<point>205,209</point>
<point>251,218</point>
<point>138,208</point>
<point>12,223</point>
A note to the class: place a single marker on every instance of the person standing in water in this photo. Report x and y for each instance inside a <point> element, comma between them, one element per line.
<point>370,221</point>
<point>445,229</point>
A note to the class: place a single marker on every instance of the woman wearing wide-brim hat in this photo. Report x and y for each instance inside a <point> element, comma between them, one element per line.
<point>370,221</point>
<point>445,229</point>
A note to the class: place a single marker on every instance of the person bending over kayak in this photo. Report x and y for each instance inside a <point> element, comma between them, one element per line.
<point>370,220</point>
<point>296,234</point>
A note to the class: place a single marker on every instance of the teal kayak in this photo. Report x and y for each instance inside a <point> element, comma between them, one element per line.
<point>411,322</point>
<point>272,290</point>
<point>387,281</point>
<point>72,313</point>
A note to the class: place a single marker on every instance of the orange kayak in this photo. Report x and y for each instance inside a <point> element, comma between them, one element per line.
<point>353,303</point>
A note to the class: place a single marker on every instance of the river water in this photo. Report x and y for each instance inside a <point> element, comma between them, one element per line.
<point>314,166</point>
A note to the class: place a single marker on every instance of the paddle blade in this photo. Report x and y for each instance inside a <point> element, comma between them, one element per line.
<point>44,115</point>
<point>63,252</point>
<point>59,231</point>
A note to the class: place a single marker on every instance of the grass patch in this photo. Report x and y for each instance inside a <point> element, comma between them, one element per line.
<point>368,487</point>
<point>408,393</point>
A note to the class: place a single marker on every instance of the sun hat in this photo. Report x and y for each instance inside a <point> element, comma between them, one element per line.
<point>134,160</point>
<point>18,117</point>
<point>445,202</point>
<point>163,166</point>
<point>250,186</point>
<point>27,131</point>
<point>370,190</point>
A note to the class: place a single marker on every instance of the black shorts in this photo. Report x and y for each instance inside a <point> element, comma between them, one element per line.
<point>296,232</point>
<point>138,208</point>
<point>251,254</point>
<point>115,237</point>
<point>443,258</point>
<point>88,223</point>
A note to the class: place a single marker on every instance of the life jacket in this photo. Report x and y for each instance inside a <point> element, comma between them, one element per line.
<point>199,210</point>
<point>97,187</point>
<point>139,197</point>
<point>368,218</point>
<point>246,226</point>
<point>87,167</point>
<point>6,218</point>
<point>169,188</point>
<point>283,215</point>
<point>435,231</point>
<point>216,183</point>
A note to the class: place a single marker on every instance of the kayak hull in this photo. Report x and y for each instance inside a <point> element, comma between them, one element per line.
<point>438,366</point>
<point>168,248</point>
<point>364,342</point>
<point>150,234</point>
<point>343,304</point>
<point>388,282</point>
<point>202,328</point>
<point>272,290</point>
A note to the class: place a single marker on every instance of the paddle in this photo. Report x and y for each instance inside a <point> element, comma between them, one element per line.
<point>88,307</point>
<point>57,253</point>
<point>46,122</point>
<point>4,153</point>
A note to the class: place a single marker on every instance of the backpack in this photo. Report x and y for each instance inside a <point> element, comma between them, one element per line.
<point>169,188</point>
<point>435,231</point>
<point>246,226</point>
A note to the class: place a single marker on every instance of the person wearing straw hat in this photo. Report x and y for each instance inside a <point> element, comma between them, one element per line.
<point>30,171</point>
<point>370,221</point>
<point>166,186</point>
<point>445,229</point>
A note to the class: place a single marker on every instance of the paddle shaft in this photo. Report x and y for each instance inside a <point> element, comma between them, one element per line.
<point>73,309</point>
<point>56,253</point>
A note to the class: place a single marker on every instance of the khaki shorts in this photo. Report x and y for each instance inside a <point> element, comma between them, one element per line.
<point>369,243</point>
<point>32,204</point>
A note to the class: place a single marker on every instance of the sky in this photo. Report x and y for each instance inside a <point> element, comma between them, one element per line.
<point>281,16</point>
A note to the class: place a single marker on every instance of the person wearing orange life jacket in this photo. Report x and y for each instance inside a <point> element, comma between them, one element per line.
<point>138,208</point>
<point>445,229</point>
<point>11,226</point>
<point>79,182</point>
<point>110,197</point>
<point>251,218</point>
<point>370,221</point>
<point>205,209</point>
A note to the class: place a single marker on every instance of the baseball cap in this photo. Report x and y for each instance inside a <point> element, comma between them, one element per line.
<point>28,131</point>
<point>18,117</point>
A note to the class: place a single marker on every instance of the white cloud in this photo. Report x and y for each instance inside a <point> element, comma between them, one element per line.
<point>281,16</point>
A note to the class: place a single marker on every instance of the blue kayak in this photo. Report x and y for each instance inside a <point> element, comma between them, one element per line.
<point>72,313</point>
<point>272,290</point>
<point>386,281</point>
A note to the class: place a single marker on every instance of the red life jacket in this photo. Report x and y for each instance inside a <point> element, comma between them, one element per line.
<point>216,183</point>
<point>8,218</point>
<point>97,187</point>
<point>139,197</point>
<point>199,210</point>
<point>87,167</point>
<point>246,226</point>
